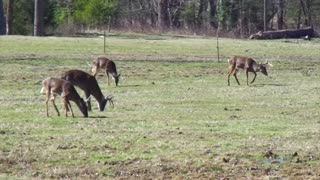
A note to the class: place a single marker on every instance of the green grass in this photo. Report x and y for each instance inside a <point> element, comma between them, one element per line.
<point>147,47</point>
<point>173,117</point>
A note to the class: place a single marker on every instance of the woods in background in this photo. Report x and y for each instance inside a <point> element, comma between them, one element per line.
<point>236,18</point>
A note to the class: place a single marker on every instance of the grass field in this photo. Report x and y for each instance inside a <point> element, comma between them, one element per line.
<point>174,115</point>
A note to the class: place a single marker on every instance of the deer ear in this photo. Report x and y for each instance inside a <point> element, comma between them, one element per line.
<point>270,64</point>
<point>267,63</point>
<point>88,99</point>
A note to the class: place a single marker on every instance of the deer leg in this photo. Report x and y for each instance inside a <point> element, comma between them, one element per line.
<point>69,105</point>
<point>108,77</point>
<point>114,77</point>
<point>66,109</point>
<point>47,107</point>
<point>229,74</point>
<point>47,101</point>
<point>235,76</point>
<point>94,71</point>
<point>88,101</point>
<point>247,75</point>
<point>54,105</point>
<point>254,78</point>
<point>71,110</point>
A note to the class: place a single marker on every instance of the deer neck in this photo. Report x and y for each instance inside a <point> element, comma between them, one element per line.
<point>98,96</point>
<point>256,67</point>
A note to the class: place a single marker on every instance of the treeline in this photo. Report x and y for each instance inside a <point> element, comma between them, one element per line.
<point>235,18</point>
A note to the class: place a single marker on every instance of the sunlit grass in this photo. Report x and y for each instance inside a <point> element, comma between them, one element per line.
<point>171,119</point>
<point>142,47</point>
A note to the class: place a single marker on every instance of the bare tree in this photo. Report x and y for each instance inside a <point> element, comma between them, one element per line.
<point>213,11</point>
<point>203,5</point>
<point>38,18</point>
<point>164,20</point>
<point>281,14</point>
<point>10,17</point>
<point>265,15</point>
<point>2,20</point>
<point>175,13</point>
<point>307,11</point>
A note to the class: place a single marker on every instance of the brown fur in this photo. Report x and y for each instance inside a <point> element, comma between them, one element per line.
<point>106,64</point>
<point>248,65</point>
<point>88,84</point>
<point>54,86</point>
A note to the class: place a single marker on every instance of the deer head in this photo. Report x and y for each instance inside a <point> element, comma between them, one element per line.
<point>105,101</point>
<point>263,68</point>
<point>116,78</point>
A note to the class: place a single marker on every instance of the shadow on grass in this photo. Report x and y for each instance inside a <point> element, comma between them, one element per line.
<point>133,85</point>
<point>100,117</point>
<point>271,84</point>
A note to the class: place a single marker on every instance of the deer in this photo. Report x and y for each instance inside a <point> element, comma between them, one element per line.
<point>89,85</point>
<point>102,62</point>
<point>248,65</point>
<point>55,86</point>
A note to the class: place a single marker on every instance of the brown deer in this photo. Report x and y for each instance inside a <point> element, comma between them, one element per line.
<point>89,85</point>
<point>54,86</point>
<point>106,64</point>
<point>248,64</point>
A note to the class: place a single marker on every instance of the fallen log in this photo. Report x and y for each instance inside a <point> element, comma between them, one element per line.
<point>287,33</point>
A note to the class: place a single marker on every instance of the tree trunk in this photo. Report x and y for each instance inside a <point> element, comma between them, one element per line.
<point>265,15</point>
<point>164,20</point>
<point>202,8</point>
<point>309,10</point>
<point>176,8</point>
<point>306,8</point>
<point>130,8</point>
<point>280,14</point>
<point>241,18</point>
<point>38,18</point>
<point>299,18</point>
<point>10,17</point>
<point>2,20</point>
<point>213,11</point>
<point>288,33</point>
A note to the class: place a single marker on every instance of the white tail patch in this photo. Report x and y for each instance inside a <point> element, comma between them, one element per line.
<point>42,91</point>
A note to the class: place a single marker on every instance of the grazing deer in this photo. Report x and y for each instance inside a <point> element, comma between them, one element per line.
<point>106,64</point>
<point>54,86</point>
<point>89,85</point>
<point>246,63</point>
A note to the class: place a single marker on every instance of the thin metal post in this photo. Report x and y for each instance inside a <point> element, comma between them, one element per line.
<point>218,50</point>
<point>104,41</point>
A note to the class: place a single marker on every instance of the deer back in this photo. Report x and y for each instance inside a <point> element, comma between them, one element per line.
<point>87,83</point>
<point>70,93</point>
<point>100,62</point>
<point>66,90</point>
<point>242,62</point>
